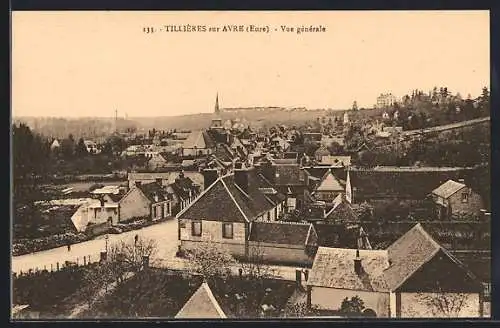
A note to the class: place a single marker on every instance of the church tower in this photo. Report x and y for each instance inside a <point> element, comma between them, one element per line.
<point>217,109</point>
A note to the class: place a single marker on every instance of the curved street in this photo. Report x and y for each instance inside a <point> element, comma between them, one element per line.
<point>165,234</point>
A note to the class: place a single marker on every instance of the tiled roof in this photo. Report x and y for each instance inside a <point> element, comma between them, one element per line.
<point>181,187</point>
<point>288,175</point>
<point>334,268</point>
<point>448,188</point>
<point>151,189</point>
<point>214,204</point>
<point>407,254</point>
<point>225,201</point>
<point>317,172</point>
<point>253,202</point>
<point>398,182</point>
<point>342,211</point>
<point>199,139</point>
<point>115,197</point>
<point>224,153</point>
<point>340,236</point>
<point>283,233</point>
<point>201,305</point>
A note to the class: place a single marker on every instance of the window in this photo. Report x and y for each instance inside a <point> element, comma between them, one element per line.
<point>196,228</point>
<point>465,197</point>
<point>154,211</point>
<point>487,290</point>
<point>227,230</point>
<point>268,216</point>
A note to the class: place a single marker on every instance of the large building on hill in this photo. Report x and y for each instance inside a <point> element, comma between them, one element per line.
<point>385,100</point>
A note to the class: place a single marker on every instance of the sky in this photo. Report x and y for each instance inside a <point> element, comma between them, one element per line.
<point>75,64</point>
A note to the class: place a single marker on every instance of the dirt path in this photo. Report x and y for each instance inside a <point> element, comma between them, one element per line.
<point>81,307</point>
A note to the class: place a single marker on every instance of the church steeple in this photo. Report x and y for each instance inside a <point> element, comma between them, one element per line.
<point>217,110</point>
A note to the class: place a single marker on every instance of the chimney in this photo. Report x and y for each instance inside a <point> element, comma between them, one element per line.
<point>461,180</point>
<point>209,177</point>
<point>357,263</point>
<point>241,178</point>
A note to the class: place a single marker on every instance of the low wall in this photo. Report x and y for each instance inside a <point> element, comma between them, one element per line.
<point>281,254</point>
<point>237,250</point>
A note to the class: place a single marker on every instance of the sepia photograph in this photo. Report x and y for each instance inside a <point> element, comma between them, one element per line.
<point>179,165</point>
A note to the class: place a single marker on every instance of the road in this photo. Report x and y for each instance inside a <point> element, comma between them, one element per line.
<point>165,234</point>
<point>446,127</point>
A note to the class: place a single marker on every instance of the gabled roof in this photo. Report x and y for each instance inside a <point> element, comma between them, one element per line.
<point>150,190</point>
<point>225,201</point>
<point>341,211</point>
<point>199,140</point>
<point>330,183</point>
<point>253,202</point>
<point>448,188</point>
<point>411,252</point>
<point>214,204</point>
<point>182,187</point>
<point>334,268</point>
<point>283,233</point>
<point>201,305</point>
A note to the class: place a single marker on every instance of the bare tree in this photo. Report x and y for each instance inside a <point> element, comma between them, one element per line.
<point>443,304</point>
<point>128,257</point>
<point>94,279</point>
<point>212,261</point>
<point>255,267</point>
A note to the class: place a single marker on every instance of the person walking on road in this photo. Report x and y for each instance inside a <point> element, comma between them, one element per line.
<point>69,247</point>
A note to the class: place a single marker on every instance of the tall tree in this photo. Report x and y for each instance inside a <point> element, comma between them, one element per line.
<point>68,147</point>
<point>81,149</point>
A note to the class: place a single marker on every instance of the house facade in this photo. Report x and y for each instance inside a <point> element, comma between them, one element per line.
<point>329,188</point>
<point>413,278</point>
<point>456,199</point>
<point>145,201</point>
<point>223,213</point>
